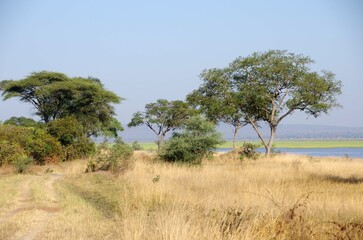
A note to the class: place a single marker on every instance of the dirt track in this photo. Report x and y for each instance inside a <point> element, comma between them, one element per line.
<point>26,205</point>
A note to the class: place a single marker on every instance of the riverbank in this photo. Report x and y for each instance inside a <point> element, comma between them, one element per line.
<point>286,144</point>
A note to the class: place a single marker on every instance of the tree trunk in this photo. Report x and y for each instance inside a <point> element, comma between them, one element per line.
<point>235,137</point>
<point>160,140</point>
<point>268,147</point>
<point>46,119</point>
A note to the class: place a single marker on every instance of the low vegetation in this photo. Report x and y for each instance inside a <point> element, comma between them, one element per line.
<point>198,140</point>
<point>286,197</point>
<point>116,158</point>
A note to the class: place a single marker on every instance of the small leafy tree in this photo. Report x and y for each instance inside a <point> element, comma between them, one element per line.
<point>162,116</point>
<point>218,101</point>
<point>198,139</point>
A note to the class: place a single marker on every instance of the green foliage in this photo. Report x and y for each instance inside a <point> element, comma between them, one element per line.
<point>248,150</point>
<point>23,121</point>
<point>55,95</point>
<point>70,134</point>
<point>22,163</point>
<point>117,158</point>
<point>198,139</point>
<point>162,116</point>
<point>136,146</point>
<point>67,130</point>
<point>265,87</point>
<point>81,148</point>
<point>275,84</point>
<point>217,99</point>
<point>36,143</point>
<point>9,152</point>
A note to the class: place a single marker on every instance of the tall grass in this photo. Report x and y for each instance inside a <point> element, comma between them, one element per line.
<point>288,197</point>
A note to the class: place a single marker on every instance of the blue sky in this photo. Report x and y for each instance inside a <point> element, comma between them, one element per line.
<point>146,50</point>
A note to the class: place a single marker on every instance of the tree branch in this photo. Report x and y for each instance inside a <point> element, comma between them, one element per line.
<point>255,127</point>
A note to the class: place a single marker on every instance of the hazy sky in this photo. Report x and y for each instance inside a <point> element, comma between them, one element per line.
<point>146,50</point>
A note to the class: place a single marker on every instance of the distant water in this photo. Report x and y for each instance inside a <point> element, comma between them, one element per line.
<point>316,152</point>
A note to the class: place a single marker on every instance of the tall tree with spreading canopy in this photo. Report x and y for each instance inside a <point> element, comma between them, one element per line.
<point>217,99</point>
<point>265,87</point>
<point>55,95</point>
<point>274,84</point>
<point>162,117</point>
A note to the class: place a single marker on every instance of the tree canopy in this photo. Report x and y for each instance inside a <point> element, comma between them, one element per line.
<point>217,100</point>
<point>23,121</point>
<point>266,87</point>
<point>162,116</point>
<point>275,84</point>
<point>55,95</point>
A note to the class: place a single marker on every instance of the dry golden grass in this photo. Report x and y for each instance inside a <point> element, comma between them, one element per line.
<point>287,197</point>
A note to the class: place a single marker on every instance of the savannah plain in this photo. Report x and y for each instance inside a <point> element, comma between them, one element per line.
<point>285,197</point>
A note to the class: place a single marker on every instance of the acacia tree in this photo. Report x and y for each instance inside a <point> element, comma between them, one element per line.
<point>274,84</point>
<point>162,117</point>
<point>55,95</point>
<point>23,121</point>
<point>216,98</point>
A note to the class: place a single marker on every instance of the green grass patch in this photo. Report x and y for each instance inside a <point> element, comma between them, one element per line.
<point>307,144</point>
<point>148,145</point>
<point>285,144</point>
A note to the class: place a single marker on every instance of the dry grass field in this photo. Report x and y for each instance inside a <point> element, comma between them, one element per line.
<point>287,197</point>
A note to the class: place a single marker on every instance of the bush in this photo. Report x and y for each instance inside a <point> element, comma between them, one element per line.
<point>79,149</point>
<point>70,134</point>
<point>136,146</point>
<point>116,159</point>
<point>35,142</point>
<point>248,150</point>
<point>10,152</point>
<point>43,146</point>
<point>21,163</point>
<point>198,140</point>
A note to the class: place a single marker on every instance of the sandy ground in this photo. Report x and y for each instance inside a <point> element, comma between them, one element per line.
<point>25,203</point>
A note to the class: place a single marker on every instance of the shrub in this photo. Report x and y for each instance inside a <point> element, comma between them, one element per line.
<point>81,148</point>
<point>136,146</point>
<point>35,142</point>
<point>9,152</point>
<point>248,150</point>
<point>66,130</point>
<point>198,140</point>
<point>21,163</point>
<point>43,146</point>
<point>70,134</point>
<point>116,159</point>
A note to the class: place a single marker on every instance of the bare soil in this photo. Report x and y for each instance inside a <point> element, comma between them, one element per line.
<point>25,202</point>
